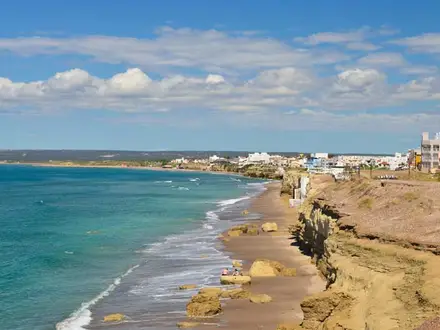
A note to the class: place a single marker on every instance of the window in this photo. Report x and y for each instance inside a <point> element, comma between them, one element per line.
<point>436,147</point>
<point>426,147</point>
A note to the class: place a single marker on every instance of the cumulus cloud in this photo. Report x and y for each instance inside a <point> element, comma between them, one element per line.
<point>423,89</point>
<point>358,81</point>
<point>276,90</point>
<point>237,73</point>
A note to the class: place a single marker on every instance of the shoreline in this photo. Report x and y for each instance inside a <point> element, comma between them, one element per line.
<point>287,292</point>
<point>140,168</point>
<point>95,315</point>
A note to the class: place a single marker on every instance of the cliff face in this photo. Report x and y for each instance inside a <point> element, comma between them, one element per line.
<point>291,181</point>
<point>371,285</point>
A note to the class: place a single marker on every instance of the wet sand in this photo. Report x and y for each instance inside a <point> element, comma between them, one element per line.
<point>286,292</point>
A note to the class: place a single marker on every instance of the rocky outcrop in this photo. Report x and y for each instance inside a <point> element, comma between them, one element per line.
<point>203,305</point>
<point>371,285</point>
<point>238,293</point>
<point>237,264</point>
<point>246,229</point>
<point>270,268</point>
<point>187,325</point>
<point>252,231</point>
<point>318,308</point>
<point>227,280</point>
<point>211,291</point>
<point>290,181</point>
<point>187,287</point>
<point>269,227</point>
<point>234,233</point>
<point>260,298</point>
<point>117,317</point>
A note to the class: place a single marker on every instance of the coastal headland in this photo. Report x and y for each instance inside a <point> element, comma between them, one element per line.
<point>366,255</point>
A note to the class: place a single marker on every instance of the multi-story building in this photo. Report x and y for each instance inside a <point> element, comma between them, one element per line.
<point>430,152</point>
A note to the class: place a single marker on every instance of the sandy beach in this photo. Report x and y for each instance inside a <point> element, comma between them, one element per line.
<point>286,292</point>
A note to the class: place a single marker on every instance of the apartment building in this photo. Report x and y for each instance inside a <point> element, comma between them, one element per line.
<point>430,149</point>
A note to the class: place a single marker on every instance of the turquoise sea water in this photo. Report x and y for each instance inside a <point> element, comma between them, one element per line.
<point>68,235</point>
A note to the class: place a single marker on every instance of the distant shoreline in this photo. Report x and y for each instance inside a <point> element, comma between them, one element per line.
<point>152,168</point>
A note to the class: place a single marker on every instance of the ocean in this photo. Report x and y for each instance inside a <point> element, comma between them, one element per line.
<point>80,243</point>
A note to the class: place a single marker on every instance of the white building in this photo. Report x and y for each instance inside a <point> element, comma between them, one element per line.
<point>322,155</point>
<point>259,158</point>
<point>180,161</point>
<point>214,158</point>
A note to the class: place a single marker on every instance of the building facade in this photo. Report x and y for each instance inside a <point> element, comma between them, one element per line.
<point>430,149</point>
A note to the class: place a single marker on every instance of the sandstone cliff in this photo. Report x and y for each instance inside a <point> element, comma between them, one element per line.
<point>362,236</point>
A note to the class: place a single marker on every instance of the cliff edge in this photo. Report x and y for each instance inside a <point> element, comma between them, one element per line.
<point>376,244</point>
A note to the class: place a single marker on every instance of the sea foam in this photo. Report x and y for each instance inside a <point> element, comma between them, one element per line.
<point>82,316</point>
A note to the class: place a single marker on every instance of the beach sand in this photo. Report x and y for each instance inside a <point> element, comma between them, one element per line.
<point>286,292</point>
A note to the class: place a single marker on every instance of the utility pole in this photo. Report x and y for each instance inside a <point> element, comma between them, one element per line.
<point>371,168</point>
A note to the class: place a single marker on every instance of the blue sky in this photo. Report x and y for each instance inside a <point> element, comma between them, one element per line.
<point>229,75</point>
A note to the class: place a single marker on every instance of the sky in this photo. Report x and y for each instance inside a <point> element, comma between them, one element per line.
<point>313,76</point>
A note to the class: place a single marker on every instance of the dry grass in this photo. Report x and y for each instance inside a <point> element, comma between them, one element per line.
<point>403,175</point>
<point>410,196</point>
<point>360,187</point>
<point>366,203</point>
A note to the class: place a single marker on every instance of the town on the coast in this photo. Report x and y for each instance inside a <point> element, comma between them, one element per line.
<point>364,244</point>
<point>330,236</point>
<point>423,158</point>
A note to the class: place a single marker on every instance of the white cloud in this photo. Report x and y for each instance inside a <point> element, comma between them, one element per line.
<point>282,98</point>
<point>358,80</point>
<point>352,40</point>
<point>382,59</point>
<point>131,82</point>
<point>215,79</point>
<point>357,89</point>
<point>210,50</point>
<point>424,43</point>
<point>71,80</point>
<point>333,37</point>
<point>134,90</point>
<point>271,90</point>
<point>236,71</point>
<point>287,77</point>
<point>423,89</point>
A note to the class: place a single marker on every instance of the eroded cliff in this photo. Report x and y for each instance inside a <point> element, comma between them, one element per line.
<point>376,279</point>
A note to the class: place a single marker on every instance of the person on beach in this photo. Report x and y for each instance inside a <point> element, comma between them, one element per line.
<point>225,272</point>
<point>236,272</point>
